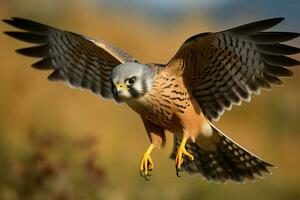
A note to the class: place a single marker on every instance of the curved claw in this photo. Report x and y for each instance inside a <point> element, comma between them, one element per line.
<point>180,157</point>
<point>146,167</point>
<point>146,177</point>
<point>178,171</point>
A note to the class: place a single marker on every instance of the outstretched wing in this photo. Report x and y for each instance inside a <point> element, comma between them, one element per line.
<point>226,67</point>
<point>77,59</point>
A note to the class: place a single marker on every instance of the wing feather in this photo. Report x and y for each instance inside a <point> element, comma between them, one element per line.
<point>79,60</point>
<point>228,66</point>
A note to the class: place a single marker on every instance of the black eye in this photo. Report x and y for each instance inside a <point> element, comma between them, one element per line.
<point>130,81</point>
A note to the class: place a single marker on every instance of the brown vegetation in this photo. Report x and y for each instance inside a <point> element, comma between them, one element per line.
<point>62,143</point>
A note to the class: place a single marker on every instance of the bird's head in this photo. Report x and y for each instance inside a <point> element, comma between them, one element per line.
<point>131,80</point>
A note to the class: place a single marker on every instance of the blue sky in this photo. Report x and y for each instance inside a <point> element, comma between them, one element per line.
<point>178,5</point>
<point>221,11</point>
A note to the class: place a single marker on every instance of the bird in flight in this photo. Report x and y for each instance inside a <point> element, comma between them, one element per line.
<point>209,73</point>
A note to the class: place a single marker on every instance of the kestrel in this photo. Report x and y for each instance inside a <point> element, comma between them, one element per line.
<point>209,73</point>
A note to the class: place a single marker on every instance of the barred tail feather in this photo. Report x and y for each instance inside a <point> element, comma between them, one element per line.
<point>221,159</point>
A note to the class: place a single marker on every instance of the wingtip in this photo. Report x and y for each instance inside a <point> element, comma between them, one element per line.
<point>9,33</point>
<point>276,20</point>
<point>279,18</point>
<point>19,51</point>
<point>7,21</point>
<point>257,26</point>
<point>27,24</point>
<point>6,32</point>
<point>13,19</point>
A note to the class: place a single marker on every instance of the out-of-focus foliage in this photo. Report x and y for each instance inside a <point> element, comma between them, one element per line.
<point>48,169</point>
<point>62,143</point>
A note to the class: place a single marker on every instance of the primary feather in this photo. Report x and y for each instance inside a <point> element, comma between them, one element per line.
<point>226,67</point>
<point>79,60</point>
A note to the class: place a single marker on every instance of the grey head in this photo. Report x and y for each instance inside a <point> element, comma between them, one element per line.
<point>131,80</point>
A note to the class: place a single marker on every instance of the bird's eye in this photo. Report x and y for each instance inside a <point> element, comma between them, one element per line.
<point>130,81</point>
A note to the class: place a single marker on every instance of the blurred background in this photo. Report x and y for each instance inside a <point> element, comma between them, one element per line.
<point>62,143</point>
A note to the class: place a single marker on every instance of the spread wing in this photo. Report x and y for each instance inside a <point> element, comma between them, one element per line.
<point>226,67</point>
<point>76,59</point>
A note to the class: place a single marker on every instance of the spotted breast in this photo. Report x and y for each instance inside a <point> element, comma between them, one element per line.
<point>168,103</point>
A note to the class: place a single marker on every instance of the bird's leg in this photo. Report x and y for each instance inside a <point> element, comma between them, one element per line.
<point>147,164</point>
<point>181,153</point>
<point>157,138</point>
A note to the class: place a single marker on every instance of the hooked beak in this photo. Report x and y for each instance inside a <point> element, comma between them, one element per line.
<point>120,86</point>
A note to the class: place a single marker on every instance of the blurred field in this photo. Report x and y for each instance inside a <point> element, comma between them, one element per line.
<point>62,143</point>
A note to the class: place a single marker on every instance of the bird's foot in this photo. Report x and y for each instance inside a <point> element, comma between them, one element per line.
<point>147,164</point>
<point>180,155</point>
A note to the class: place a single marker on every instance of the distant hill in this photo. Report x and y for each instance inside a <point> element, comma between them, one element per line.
<point>258,9</point>
<point>227,12</point>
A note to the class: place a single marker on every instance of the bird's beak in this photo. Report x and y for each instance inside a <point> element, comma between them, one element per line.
<point>120,86</point>
<point>119,91</point>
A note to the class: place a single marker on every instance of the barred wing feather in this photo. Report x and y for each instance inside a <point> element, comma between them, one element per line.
<point>79,60</point>
<point>226,67</point>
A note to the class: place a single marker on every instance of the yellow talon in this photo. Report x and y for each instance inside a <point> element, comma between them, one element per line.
<point>181,153</point>
<point>147,164</point>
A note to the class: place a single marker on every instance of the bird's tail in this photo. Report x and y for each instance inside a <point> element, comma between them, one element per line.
<point>218,158</point>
